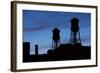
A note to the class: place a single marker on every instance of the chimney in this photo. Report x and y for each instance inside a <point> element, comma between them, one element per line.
<point>36,49</point>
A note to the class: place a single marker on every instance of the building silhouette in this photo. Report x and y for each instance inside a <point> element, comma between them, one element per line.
<point>26,51</point>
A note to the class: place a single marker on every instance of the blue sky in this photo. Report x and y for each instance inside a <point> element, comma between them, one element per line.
<point>38,26</point>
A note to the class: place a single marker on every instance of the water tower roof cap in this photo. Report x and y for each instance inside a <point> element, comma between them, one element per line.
<point>56,29</point>
<point>74,19</point>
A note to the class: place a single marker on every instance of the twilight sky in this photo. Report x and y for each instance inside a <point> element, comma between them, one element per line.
<point>38,26</point>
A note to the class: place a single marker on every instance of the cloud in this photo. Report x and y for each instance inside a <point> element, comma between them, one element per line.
<point>46,46</point>
<point>86,38</point>
<point>43,25</point>
<point>40,25</point>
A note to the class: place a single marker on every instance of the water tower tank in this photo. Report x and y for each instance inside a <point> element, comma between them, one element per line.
<point>74,25</point>
<point>56,34</point>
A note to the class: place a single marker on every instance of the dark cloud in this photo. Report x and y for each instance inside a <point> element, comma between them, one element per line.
<point>40,25</point>
<point>43,25</point>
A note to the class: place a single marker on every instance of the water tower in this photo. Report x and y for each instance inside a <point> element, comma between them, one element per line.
<point>75,32</point>
<point>55,38</point>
